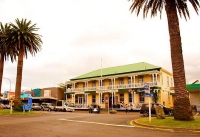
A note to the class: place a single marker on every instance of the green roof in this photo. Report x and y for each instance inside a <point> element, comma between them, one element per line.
<point>124,69</point>
<point>193,87</point>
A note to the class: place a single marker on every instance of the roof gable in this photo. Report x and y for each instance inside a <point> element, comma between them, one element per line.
<point>130,68</point>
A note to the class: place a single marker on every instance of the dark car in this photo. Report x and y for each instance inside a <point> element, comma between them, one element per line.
<point>145,109</point>
<point>94,109</point>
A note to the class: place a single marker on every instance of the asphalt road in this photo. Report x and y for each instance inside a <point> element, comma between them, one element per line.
<point>81,124</point>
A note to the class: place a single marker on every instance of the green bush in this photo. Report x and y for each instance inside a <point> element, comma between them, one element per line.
<point>113,111</point>
<point>20,107</point>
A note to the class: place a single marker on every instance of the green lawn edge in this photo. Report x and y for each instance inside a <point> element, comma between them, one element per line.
<point>169,122</point>
<point>7,112</point>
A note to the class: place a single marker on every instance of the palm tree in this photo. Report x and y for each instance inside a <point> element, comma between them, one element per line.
<point>5,51</point>
<point>182,108</point>
<point>23,37</point>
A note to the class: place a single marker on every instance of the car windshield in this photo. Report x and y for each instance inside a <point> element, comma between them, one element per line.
<point>71,104</point>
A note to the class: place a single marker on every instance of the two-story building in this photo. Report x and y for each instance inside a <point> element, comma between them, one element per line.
<point>120,85</point>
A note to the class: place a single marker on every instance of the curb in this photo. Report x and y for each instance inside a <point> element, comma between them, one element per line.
<point>166,128</point>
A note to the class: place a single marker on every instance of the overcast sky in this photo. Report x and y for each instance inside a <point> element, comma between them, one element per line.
<point>76,34</point>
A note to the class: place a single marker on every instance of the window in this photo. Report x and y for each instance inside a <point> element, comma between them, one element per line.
<point>102,99</point>
<point>121,98</point>
<point>110,82</point>
<point>93,98</point>
<point>103,83</point>
<point>153,78</point>
<point>76,85</point>
<point>169,97</point>
<point>167,81</point>
<point>121,81</point>
<point>76,99</point>
<point>84,84</point>
<point>171,82</point>
<point>141,97</point>
<point>140,79</point>
<point>93,83</point>
<point>130,97</point>
<point>129,80</point>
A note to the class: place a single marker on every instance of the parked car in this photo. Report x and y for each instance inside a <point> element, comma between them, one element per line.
<point>36,106</point>
<point>47,106</point>
<point>145,109</point>
<point>2,106</point>
<point>94,108</point>
<point>7,106</point>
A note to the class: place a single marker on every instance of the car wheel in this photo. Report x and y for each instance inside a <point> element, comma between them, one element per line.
<point>146,113</point>
<point>64,110</point>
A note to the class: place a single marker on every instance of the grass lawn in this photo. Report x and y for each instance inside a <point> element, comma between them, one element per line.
<point>170,122</point>
<point>7,112</point>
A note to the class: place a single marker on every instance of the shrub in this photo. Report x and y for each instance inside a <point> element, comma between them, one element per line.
<point>113,111</point>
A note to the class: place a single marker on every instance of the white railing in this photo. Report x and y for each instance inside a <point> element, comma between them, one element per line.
<point>121,86</point>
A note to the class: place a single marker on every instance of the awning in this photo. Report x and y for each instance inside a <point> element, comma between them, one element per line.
<point>124,90</point>
<point>68,93</point>
<point>193,87</point>
<point>91,92</point>
<point>44,98</point>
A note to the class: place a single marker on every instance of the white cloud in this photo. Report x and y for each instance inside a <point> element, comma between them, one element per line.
<point>77,34</point>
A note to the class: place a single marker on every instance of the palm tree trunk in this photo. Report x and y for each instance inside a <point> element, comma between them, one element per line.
<point>182,108</point>
<point>19,78</point>
<point>1,70</point>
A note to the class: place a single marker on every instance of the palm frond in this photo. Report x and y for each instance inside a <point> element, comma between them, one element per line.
<point>155,6</point>
<point>23,36</point>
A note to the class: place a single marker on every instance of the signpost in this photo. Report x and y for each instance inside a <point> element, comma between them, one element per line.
<point>147,94</point>
<point>11,104</point>
<point>108,105</point>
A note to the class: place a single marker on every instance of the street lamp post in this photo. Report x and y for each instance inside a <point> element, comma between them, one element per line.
<point>9,81</point>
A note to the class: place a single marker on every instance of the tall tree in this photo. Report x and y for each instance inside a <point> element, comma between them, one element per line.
<point>23,36</point>
<point>5,51</point>
<point>182,108</point>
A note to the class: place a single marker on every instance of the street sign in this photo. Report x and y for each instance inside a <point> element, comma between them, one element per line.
<point>148,95</point>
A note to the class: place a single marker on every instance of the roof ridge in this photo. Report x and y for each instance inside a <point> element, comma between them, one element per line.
<point>121,69</point>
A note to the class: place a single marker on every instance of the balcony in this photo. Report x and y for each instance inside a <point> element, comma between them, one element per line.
<point>109,87</point>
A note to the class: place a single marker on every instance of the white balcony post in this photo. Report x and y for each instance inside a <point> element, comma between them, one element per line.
<point>132,96</point>
<point>134,81</point>
<point>112,100</point>
<point>114,82</point>
<point>74,98</point>
<point>156,78</point>
<point>111,83</point>
<point>87,99</point>
<point>101,83</point>
<point>131,81</point>
<point>99,98</point>
<point>153,78</point>
<point>87,85</point>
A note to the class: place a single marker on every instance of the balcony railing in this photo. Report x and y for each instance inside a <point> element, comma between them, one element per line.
<point>109,87</point>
